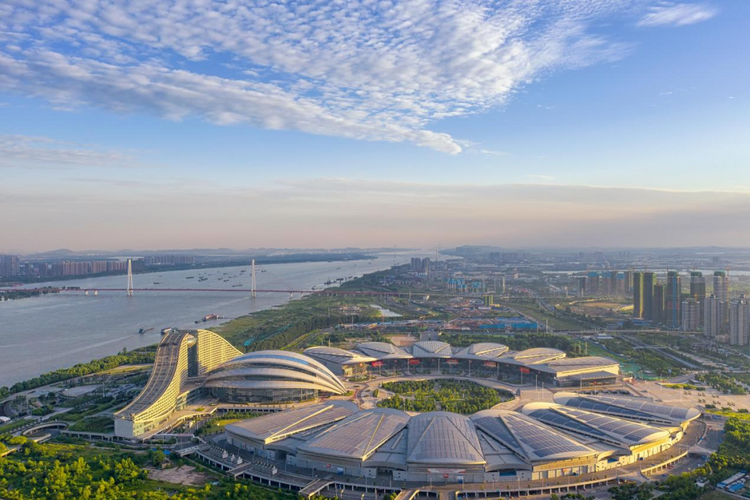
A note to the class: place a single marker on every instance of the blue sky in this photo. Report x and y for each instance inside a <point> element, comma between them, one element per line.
<point>300,124</point>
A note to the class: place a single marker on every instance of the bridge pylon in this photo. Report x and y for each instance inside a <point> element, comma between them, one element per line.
<point>252,285</point>
<point>130,278</point>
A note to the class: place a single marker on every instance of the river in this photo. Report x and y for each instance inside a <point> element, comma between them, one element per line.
<point>41,334</point>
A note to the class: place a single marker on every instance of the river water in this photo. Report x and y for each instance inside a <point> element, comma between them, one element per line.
<point>38,335</point>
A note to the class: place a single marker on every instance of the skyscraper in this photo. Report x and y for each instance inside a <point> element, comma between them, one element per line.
<point>739,321</point>
<point>10,265</point>
<point>698,291</point>
<point>690,315</point>
<point>649,280</point>
<point>673,300</point>
<point>657,304</point>
<point>592,284</point>
<point>712,314</point>
<point>581,283</point>
<point>721,285</point>
<point>638,295</point>
<point>721,290</point>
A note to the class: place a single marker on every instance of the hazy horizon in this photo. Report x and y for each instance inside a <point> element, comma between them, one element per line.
<point>605,123</point>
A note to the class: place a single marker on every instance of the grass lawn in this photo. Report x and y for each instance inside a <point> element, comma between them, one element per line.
<point>540,315</point>
<point>218,425</point>
<point>717,495</point>
<point>10,427</point>
<point>270,322</point>
<point>689,387</point>
<point>725,413</point>
<point>94,424</point>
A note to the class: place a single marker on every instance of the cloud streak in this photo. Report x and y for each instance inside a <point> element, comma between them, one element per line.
<point>31,152</point>
<point>380,71</point>
<point>679,14</point>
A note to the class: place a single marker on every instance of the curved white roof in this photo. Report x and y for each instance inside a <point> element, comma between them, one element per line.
<point>336,355</point>
<point>483,351</point>
<point>275,369</point>
<point>431,349</point>
<point>382,350</point>
<point>615,430</point>
<point>533,356</point>
<point>358,436</point>
<point>443,438</point>
<point>576,365</point>
<point>274,426</point>
<point>629,407</point>
<point>528,437</point>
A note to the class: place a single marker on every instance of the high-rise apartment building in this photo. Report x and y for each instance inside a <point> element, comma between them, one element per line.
<point>698,290</point>
<point>657,304</point>
<point>721,285</point>
<point>673,300</point>
<point>739,321</point>
<point>592,284</point>
<point>721,291</point>
<point>621,284</point>
<point>581,284</point>
<point>638,295</point>
<point>690,315</point>
<point>649,280</point>
<point>712,314</point>
<point>10,265</point>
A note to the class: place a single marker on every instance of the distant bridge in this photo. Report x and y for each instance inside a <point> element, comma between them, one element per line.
<point>324,291</point>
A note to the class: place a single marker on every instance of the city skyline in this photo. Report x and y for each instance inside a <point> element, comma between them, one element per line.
<point>608,124</point>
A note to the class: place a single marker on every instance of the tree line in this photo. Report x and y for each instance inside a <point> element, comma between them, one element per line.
<point>141,356</point>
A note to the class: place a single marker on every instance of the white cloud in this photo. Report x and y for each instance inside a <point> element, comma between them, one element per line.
<point>490,152</point>
<point>29,152</point>
<point>369,70</point>
<point>542,177</point>
<point>677,14</point>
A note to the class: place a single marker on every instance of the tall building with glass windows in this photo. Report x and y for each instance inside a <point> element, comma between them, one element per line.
<point>721,291</point>
<point>712,314</point>
<point>657,307</point>
<point>673,300</point>
<point>638,295</point>
<point>698,290</point>
<point>690,315</point>
<point>739,321</point>
<point>649,280</point>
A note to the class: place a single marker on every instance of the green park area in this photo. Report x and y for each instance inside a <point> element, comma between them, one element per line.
<point>297,324</point>
<point>458,396</point>
<point>82,471</point>
<point>216,424</point>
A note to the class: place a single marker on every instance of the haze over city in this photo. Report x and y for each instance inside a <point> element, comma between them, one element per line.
<point>374,249</point>
<point>314,124</point>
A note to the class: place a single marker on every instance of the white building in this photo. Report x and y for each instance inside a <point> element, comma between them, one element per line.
<point>712,314</point>
<point>739,321</point>
<point>691,315</point>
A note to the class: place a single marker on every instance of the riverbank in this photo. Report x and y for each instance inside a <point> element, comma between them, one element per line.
<point>267,260</point>
<point>56,331</point>
<point>26,294</point>
<point>295,324</point>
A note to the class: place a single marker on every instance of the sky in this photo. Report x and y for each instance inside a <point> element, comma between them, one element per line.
<point>200,123</point>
